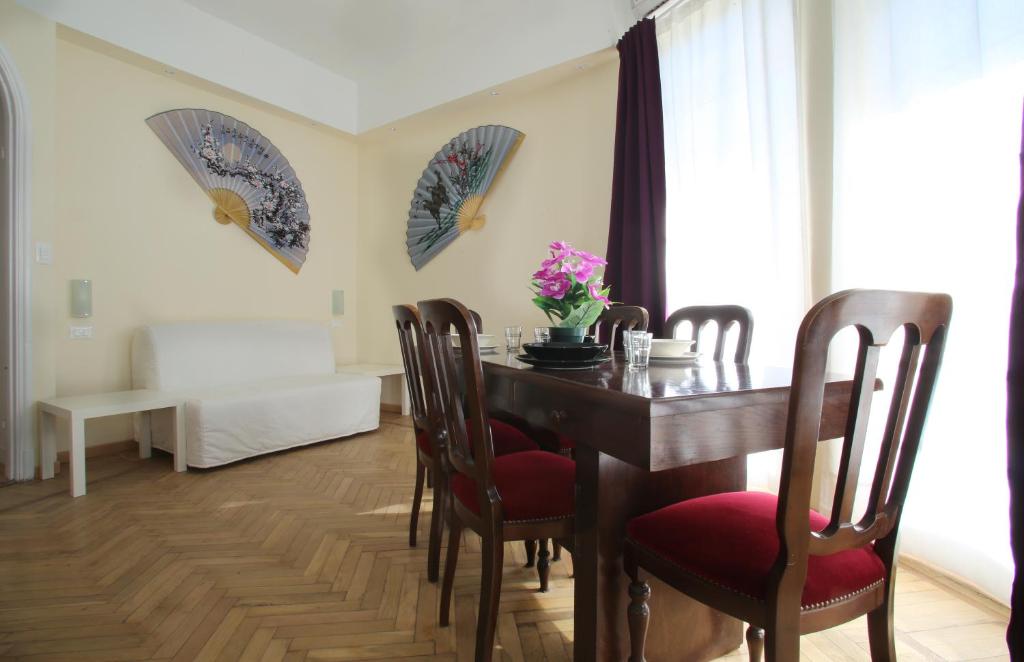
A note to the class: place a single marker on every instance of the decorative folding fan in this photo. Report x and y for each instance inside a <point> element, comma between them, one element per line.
<point>248,179</point>
<point>451,190</point>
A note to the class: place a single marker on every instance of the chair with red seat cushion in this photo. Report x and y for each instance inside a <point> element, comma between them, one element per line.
<point>507,438</point>
<point>410,339</point>
<point>519,496</point>
<point>725,317</point>
<point>772,561</point>
<point>619,317</point>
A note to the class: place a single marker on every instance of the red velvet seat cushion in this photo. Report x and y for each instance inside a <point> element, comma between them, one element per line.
<point>507,439</point>
<point>565,443</point>
<point>730,539</point>
<point>533,485</point>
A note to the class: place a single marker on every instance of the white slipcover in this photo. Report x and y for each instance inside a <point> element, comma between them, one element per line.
<point>251,387</point>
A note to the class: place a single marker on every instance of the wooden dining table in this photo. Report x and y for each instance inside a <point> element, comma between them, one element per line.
<point>645,439</point>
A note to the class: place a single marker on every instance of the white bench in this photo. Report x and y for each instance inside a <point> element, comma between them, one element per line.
<point>77,409</point>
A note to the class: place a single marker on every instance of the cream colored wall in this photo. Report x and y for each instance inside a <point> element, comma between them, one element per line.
<point>557,186</point>
<point>121,211</point>
<point>133,221</point>
<point>31,42</point>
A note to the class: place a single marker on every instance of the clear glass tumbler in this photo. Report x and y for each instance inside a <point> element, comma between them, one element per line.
<point>640,349</point>
<point>542,334</point>
<point>513,337</point>
<point>627,341</point>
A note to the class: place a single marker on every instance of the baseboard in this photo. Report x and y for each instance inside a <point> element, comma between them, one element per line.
<point>963,588</point>
<point>390,408</point>
<point>100,450</point>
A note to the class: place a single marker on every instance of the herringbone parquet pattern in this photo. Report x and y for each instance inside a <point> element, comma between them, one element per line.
<point>300,555</point>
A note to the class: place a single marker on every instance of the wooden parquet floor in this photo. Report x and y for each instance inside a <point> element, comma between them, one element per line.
<point>303,555</point>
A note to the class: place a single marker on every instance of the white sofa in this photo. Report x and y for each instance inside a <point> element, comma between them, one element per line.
<point>251,387</point>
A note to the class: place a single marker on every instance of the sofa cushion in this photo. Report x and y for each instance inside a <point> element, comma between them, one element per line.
<point>191,355</point>
<point>234,422</point>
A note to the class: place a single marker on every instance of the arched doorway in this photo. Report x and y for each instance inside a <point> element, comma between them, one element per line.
<point>17,438</point>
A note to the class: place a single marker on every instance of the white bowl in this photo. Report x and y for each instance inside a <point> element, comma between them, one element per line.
<point>483,340</point>
<point>670,349</point>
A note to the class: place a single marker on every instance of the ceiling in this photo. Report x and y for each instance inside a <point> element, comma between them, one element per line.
<point>352,64</point>
<point>409,55</point>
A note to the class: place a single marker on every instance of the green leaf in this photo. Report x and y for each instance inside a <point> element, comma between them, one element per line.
<point>583,316</point>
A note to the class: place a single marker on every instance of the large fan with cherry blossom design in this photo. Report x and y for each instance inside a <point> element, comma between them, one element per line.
<point>249,180</point>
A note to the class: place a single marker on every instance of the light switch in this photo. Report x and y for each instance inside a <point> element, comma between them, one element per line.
<point>44,252</point>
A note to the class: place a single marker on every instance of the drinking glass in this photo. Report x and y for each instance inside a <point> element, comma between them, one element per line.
<point>542,334</point>
<point>513,337</point>
<point>627,337</point>
<point>639,349</point>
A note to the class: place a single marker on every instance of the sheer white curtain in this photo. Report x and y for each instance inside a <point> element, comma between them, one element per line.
<point>927,119</point>
<point>735,231</point>
<point>925,103</point>
<point>733,166</point>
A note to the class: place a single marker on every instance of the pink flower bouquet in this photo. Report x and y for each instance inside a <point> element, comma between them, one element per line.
<point>568,289</point>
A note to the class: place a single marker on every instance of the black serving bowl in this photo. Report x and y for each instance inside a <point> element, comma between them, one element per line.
<point>564,351</point>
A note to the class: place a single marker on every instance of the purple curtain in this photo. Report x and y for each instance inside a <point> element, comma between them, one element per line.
<point>636,232</point>
<point>1015,434</point>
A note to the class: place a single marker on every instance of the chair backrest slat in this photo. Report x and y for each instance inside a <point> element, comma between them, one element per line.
<point>626,318</point>
<point>856,433</point>
<point>894,427</point>
<point>876,315</point>
<point>724,317</point>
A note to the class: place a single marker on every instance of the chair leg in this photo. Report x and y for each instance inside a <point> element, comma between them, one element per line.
<point>454,537</point>
<point>436,532</point>
<point>543,565</point>
<point>490,593</point>
<point>417,498</point>
<point>557,556</point>
<point>880,633</point>
<point>781,646</point>
<point>755,643</point>
<point>638,613</point>
<point>531,552</point>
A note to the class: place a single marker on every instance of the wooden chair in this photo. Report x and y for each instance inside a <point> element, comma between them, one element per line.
<point>425,413</point>
<point>723,317</point>
<point>520,496</point>
<point>772,561</point>
<point>630,318</point>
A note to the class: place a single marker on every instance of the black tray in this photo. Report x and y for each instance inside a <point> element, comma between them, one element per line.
<point>564,351</point>
<point>563,365</point>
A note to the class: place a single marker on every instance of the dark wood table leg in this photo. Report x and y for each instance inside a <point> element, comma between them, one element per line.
<point>609,493</point>
<point>584,558</point>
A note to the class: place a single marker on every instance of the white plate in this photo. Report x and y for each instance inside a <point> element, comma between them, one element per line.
<point>670,348</point>
<point>689,357</point>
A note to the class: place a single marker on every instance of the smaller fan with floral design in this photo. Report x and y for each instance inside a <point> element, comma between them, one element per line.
<point>249,180</point>
<point>450,192</point>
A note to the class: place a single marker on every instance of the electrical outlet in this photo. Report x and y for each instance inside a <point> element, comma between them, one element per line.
<point>81,332</point>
